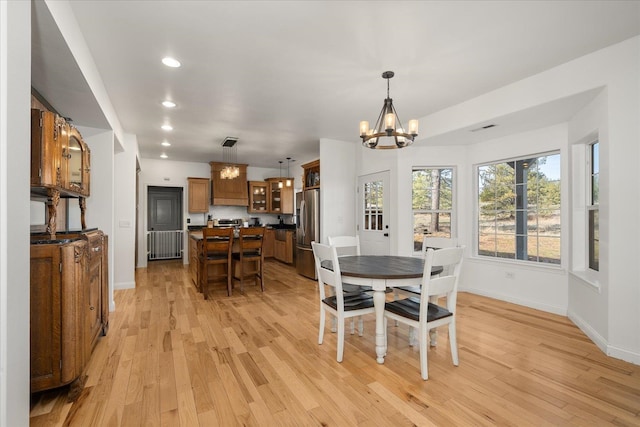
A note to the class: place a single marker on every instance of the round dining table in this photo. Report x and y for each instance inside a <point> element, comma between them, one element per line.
<point>382,272</point>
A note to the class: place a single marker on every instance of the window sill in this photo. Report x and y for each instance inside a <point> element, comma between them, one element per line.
<point>587,279</point>
<point>553,268</point>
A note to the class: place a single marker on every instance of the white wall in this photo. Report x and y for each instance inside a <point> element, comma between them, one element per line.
<point>124,236</point>
<point>337,173</point>
<point>101,205</point>
<point>15,128</point>
<point>539,286</point>
<point>588,290</point>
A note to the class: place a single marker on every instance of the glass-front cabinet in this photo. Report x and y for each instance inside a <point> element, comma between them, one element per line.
<point>75,163</point>
<point>258,197</point>
<point>60,159</point>
<point>275,195</point>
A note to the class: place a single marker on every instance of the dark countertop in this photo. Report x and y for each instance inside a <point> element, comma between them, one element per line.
<point>53,241</point>
<point>65,232</point>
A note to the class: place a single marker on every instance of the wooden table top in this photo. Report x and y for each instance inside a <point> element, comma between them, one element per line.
<point>382,266</point>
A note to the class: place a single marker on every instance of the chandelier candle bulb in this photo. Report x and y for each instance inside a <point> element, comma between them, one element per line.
<point>364,128</point>
<point>390,122</point>
<point>413,127</point>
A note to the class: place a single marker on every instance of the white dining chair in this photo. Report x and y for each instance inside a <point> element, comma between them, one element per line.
<point>422,315</point>
<point>345,246</point>
<point>427,242</point>
<point>339,305</point>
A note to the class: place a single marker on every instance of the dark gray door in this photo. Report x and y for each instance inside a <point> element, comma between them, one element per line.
<point>165,208</point>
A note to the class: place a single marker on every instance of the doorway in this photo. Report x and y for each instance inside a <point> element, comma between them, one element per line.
<point>373,213</point>
<point>165,237</point>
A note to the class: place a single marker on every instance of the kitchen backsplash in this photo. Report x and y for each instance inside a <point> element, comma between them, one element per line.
<point>232,212</point>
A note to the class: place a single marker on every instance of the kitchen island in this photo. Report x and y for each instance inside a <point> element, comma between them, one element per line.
<point>278,243</point>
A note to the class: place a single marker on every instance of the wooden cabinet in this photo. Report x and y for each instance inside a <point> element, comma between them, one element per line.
<point>283,246</point>
<point>229,192</point>
<point>193,261</point>
<point>198,195</point>
<point>60,159</point>
<point>280,200</point>
<point>311,175</point>
<point>258,197</point>
<point>96,297</point>
<point>57,314</point>
<point>69,307</point>
<point>268,242</point>
<point>60,163</point>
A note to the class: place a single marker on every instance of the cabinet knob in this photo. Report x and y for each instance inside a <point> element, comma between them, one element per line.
<point>92,308</point>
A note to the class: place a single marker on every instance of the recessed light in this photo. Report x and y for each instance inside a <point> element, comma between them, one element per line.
<point>167,127</point>
<point>169,104</point>
<point>171,62</point>
<point>166,144</point>
<point>163,156</point>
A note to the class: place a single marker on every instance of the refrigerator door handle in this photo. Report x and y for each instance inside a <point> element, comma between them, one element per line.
<point>302,217</point>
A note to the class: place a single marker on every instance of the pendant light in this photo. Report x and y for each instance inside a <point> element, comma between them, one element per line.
<point>388,125</point>
<point>289,181</point>
<point>280,185</point>
<point>230,156</point>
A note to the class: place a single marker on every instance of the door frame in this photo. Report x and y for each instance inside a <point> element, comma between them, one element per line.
<point>143,219</point>
<point>380,237</point>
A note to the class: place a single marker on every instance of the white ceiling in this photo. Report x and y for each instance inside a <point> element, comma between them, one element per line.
<point>280,75</point>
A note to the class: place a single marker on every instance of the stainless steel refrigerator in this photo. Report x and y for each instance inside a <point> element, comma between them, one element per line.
<point>307,230</point>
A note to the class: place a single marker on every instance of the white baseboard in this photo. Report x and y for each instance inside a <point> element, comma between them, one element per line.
<point>562,311</point>
<point>124,285</point>
<point>589,331</point>
<point>609,350</point>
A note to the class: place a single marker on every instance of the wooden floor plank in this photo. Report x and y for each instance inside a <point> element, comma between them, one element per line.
<point>171,359</point>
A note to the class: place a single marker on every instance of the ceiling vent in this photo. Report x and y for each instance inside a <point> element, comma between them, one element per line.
<point>483,127</point>
<point>229,141</point>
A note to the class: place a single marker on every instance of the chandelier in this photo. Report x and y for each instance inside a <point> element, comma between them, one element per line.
<point>230,156</point>
<point>388,125</point>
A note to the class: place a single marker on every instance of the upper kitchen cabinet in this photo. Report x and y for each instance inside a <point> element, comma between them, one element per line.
<point>258,197</point>
<point>198,195</point>
<point>229,192</point>
<point>280,197</point>
<point>311,177</point>
<point>60,159</point>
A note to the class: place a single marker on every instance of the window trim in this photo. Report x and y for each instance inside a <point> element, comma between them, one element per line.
<point>589,205</point>
<point>476,213</point>
<point>453,211</point>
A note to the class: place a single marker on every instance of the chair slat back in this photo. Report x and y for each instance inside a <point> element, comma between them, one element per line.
<point>345,245</point>
<point>447,282</point>
<point>327,276</point>
<point>438,243</point>
<point>217,239</point>
<point>251,239</point>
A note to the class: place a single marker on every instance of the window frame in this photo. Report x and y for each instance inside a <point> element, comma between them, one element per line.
<point>452,212</point>
<point>476,208</point>
<point>590,206</point>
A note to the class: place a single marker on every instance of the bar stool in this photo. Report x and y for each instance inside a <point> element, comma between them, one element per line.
<point>216,251</point>
<point>250,259</point>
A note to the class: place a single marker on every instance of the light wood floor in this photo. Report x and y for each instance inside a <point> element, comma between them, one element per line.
<point>173,359</point>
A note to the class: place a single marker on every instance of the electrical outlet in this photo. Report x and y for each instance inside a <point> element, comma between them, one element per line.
<point>509,275</point>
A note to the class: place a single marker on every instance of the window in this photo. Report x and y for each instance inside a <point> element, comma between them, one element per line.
<point>432,203</point>
<point>373,205</point>
<point>593,206</point>
<point>519,209</point>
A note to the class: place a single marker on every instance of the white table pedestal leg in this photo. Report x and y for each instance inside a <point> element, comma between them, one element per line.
<point>378,302</point>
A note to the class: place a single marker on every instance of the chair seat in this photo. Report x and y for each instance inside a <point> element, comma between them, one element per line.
<point>411,289</point>
<point>348,288</point>
<point>249,254</point>
<point>410,308</point>
<point>351,301</point>
<point>216,257</point>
